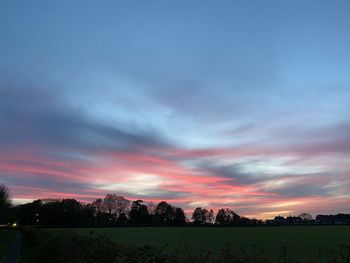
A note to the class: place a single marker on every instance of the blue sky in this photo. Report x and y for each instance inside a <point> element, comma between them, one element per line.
<point>252,97</point>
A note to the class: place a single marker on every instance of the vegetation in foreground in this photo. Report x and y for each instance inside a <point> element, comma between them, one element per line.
<point>280,244</point>
<point>7,236</point>
<point>299,240</point>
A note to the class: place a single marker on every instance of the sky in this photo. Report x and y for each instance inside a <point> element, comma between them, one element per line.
<point>239,104</point>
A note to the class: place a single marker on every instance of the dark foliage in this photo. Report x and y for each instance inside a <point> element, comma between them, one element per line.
<point>66,247</point>
<point>70,212</point>
<point>179,217</point>
<point>139,214</point>
<point>200,216</point>
<point>43,246</point>
<point>226,216</point>
<point>5,203</point>
<point>67,212</point>
<point>164,213</point>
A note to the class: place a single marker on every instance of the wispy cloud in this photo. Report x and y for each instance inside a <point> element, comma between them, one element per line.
<point>219,105</point>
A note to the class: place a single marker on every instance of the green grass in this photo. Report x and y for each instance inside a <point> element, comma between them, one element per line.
<point>7,236</point>
<point>299,241</point>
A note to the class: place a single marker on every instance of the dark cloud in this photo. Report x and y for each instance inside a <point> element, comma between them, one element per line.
<point>235,173</point>
<point>155,194</point>
<point>46,182</point>
<point>311,141</point>
<point>303,189</point>
<point>301,185</point>
<point>37,117</point>
<point>332,145</point>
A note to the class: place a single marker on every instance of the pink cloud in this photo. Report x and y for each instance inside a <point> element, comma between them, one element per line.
<point>174,181</point>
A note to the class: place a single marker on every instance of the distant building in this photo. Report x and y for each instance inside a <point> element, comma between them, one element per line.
<point>339,219</point>
<point>342,219</point>
<point>293,220</point>
<point>279,220</point>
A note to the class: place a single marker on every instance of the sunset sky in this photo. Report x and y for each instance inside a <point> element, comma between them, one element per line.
<point>239,104</point>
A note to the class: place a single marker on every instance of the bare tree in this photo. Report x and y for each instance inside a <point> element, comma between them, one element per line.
<point>110,204</point>
<point>211,218</point>
<point>5,202</point>
<point>5,197</point>
<point>227,216</point>
<point>151,208</point>
<point>123,205</point>
<point>200,216</point>
<point>115,205</point>
<point>306,216</point>
<point>97,206</point>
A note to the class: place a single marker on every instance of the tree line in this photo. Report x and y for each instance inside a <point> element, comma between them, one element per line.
<point>112,210</point>
<point>115,210</point>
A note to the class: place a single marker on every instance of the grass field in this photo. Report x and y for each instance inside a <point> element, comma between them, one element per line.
<point>299,241</point>
<point>7,236</point>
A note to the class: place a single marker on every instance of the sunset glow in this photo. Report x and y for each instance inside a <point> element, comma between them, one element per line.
<point>196,104</point>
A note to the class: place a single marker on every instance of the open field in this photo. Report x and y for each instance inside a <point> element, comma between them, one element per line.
<point>7,236</point>
<point>299,241</point>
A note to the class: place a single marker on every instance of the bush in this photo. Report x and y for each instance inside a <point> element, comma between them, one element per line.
<point>61,246</point>
<point>67,247</point>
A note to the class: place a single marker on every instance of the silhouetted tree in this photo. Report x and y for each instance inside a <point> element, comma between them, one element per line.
<point>306,217</point>
<point>123,205</point>
<point>200,216</point>
<point>234,218</point>
<point>5,203</point>
<point>100,217</point>
<point>226,216</point>
<point>211,218</point>
<point>221,217</point>
<point>66,212</point>
<point>71,212</point>
<point>30,214</point>
<point>139,213</point>
<point>110,206</point>
<point>115,205</point>
<point>122,219</point>
<point>151,208</point>
<point>164,213</point>
<point>97,205</point>
<point>88,216</point>
<point>197,216</point>
<point>179,217</point>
